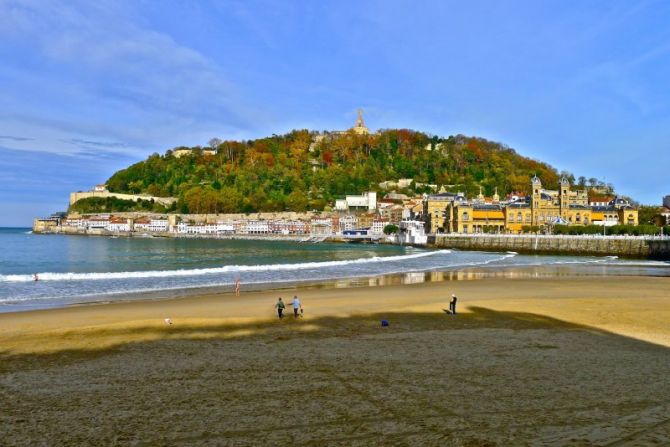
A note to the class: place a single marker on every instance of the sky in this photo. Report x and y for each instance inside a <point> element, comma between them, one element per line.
<point>90,87</point>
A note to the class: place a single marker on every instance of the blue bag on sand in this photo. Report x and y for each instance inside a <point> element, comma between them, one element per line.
<point>385,323</point>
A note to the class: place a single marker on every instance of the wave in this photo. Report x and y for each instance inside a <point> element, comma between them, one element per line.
<point>71,276</point>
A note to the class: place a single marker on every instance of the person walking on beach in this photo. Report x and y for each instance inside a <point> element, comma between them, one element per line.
<point>280,308</point>
<point>296,306</point>
<point>452,304</point>
<point>238,284</point>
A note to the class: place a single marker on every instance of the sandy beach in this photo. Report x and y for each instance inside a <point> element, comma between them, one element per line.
<point>550,361</point>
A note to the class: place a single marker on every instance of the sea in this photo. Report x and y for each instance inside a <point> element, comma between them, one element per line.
<point>80,269</point>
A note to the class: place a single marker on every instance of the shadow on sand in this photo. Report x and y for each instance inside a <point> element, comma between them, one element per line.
<point>478,378</point>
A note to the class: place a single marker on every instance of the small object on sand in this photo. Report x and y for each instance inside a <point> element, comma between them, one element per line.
<point>385,323</point>
<point>168,321</point>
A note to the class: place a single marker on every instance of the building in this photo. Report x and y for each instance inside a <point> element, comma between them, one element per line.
<point>100,188</point>
<point>412,232</point>
<point>321,226</point>
<point>378,225</point>
<point>470,217</point>
<point>600,200</point>
<point>365,202</point>
<point>562,206</point>
<point>451,213</point>
<point>151,225</point>
<point>348,222</point>
<point>118,224</point>
<point>181,151</point>
<point>98,222</point>
<point>394,213</point>
<point>365,220</point>
<point>258,227</point>
<point>435,209</point>
<point>664,215</point>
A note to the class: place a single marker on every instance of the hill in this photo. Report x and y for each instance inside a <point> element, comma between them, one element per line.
<point>305,170</point>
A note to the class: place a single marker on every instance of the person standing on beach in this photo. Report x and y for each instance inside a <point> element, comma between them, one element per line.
<point>280,308</point>
<point>296,306</point>
<point>238,284</point>
<point>452,304</point>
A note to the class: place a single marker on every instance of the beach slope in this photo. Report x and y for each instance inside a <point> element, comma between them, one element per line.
<point>560,361</point>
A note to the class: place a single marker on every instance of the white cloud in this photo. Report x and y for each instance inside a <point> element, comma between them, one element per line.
<point>93,73</point>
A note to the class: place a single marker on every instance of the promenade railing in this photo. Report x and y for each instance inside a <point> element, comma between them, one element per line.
<point>656,237</point>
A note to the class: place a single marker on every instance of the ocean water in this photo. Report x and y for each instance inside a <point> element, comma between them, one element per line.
<point>75,269</point>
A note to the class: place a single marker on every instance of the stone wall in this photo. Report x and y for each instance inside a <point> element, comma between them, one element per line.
<point>634,247</point>
<point>165,201</point>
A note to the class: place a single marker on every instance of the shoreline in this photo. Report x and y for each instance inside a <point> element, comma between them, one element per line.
<point>489,289</point>
<point>477,273</point>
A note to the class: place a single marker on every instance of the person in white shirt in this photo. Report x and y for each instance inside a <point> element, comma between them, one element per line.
<point>296,306</point>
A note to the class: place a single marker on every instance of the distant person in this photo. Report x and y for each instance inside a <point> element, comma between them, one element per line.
<point>452,304</point>
<point>35,277</point>
<point>238,284</point>
<point>280,308</point>
<point>297,307</point>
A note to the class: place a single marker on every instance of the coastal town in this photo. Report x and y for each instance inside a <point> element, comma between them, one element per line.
<point>395,218</point>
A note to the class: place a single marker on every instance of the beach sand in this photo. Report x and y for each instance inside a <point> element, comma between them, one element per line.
<point>559,361</point>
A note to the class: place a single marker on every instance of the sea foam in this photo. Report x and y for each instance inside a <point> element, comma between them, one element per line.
<point>72,276</point>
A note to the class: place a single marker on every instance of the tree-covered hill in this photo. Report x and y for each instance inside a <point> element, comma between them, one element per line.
<point>303,171</point>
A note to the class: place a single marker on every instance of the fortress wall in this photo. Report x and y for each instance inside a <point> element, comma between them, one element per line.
<point>75,196</point>
<point>633,247</point>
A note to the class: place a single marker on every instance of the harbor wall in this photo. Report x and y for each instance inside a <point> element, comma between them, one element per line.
<point>653,247</point>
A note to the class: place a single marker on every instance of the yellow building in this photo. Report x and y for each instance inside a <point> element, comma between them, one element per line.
<point>465,217</point>
<point>451,213</point>
<point>435,210</point>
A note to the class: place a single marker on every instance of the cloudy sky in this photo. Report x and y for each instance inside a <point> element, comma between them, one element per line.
<point>88,87</point>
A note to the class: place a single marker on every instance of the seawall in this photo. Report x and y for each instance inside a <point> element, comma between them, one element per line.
<point>653,247</point>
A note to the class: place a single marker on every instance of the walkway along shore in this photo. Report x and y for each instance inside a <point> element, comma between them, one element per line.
<point>647,247</point>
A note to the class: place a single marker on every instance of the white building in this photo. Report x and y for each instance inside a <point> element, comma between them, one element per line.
<point>412,232</point>
<point>225,227</point>
<point>258,227</point>
<point>116,225</point>
<point>365,202</point>
<point>378,226</point>
<point>75,222</point>
<point>348,222</point>
<point>98,222</point>
<point>152,225</point>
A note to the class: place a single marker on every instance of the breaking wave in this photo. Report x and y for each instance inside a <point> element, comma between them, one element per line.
<point>71,276</point>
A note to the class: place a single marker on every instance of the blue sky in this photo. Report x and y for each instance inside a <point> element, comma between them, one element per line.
<point>88,87</point>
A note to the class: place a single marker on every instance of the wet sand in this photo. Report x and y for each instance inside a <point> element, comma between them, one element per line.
<point>557,361</point>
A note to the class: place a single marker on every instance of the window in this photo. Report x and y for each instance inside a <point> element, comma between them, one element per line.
<point>519,217</point>
<point>466,217</point>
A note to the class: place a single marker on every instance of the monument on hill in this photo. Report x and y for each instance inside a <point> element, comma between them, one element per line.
<point>360,127</point>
